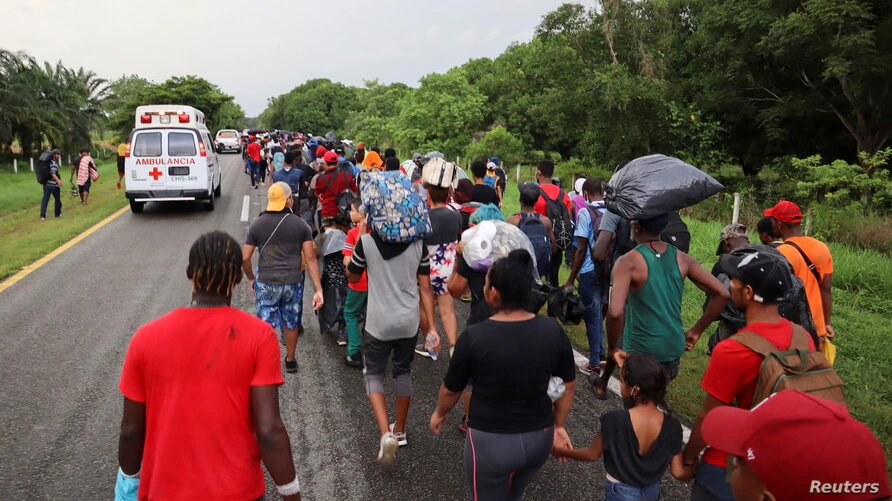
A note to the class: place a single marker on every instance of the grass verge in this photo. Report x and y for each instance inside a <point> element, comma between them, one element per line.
<point>26,238</point>
<point>862,306</point>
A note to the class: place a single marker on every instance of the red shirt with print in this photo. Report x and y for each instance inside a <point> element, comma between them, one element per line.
<point>733,371</point>
<point>194,369</point>
<point>552,191</point>
<point>330,184</point>
<point>361,285</point>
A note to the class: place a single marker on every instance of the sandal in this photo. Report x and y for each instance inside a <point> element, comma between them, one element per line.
<point>600,391</point>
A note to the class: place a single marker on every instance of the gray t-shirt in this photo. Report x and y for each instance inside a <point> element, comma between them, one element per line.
<point>393,271</point>
<point>609,222</point>
<point>279,249</point>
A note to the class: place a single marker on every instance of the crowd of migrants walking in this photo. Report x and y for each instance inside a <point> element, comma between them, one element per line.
<point>389,246</point>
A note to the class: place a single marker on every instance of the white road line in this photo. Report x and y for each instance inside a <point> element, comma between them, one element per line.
<point>246,207</point>
<point>613,385</point>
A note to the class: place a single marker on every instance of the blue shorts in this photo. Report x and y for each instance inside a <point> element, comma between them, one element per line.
<point>279,305</point>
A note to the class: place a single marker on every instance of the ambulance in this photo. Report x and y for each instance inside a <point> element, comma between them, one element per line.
<point>170,158</point>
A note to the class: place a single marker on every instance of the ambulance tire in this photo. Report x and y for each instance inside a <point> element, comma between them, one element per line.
<point>209,206</point>
<point>136,207</point>
<point>219,189</point>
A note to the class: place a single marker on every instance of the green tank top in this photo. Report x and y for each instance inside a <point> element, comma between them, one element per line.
<point>653,313</point>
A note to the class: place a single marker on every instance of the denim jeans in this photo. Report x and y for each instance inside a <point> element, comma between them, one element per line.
<point>711,484</point>
<point>618,491</point>
<point>55,192</point>
<point>590,293</point>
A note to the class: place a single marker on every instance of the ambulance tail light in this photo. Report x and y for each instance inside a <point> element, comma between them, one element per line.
<point>145,119</point>
<point>201,150</point>
<point>184,119</point>
<point>127,151</point>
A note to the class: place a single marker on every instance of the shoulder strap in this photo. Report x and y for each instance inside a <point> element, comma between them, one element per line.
<point>811,266</point>
<point>799,339</point>
<point>545,195</point>
<point>755,342</point>
<point>274,232</point>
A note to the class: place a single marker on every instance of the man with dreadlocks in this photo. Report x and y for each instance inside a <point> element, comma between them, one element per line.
<point>201,394</point>
<point>279,237</point>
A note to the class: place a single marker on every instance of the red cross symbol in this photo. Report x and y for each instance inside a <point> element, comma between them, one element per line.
<point>156,173</point>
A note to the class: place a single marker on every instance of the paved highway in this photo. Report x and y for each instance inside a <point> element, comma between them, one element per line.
<point>65,330</point>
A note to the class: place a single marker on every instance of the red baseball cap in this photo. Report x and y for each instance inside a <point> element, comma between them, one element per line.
<point>785,212</point>
<point>802,447</point>
<point>331,157</point>
<point>361,146</point>
<point>320,151</point>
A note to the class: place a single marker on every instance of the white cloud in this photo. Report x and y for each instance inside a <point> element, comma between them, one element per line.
<point>255,50</point>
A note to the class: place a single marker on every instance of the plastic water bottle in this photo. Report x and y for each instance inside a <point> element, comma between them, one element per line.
<point>429,342</point>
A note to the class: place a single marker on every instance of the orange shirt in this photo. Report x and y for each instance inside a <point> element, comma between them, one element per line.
<point>819,254</point>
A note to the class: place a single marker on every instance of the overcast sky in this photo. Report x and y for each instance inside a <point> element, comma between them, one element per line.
<point>269,48</point>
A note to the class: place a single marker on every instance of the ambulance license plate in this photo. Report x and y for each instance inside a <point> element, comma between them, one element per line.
<point>179,170</point>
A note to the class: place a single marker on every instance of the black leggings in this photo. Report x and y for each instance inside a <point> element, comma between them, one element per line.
<point>499,466</point>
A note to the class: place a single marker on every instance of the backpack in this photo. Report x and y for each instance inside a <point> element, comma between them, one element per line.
<point>676,233</point>
<point>395,211</point>
<point>796,368</point>
<point>42,169</point>
<point>557,212</point>
<point>533,227</point>
<point>438,172</point>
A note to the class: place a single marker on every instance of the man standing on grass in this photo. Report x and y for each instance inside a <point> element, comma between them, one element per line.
<point>201,395</point>
<point>645,302</point>
<point>122,150</point>
<point>544,173</point>
<point>759,280</point>
<point>84,176</point>
<point>811,261</point>
<point>279,237</point>
<point>52,187</point>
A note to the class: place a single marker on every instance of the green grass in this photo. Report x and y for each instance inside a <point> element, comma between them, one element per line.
<point>26,238</point>
<point>862,306</point>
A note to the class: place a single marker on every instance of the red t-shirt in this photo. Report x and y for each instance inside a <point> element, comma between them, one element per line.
<point>330,184</point>
<point>193,368</point>
<point>552,191</point>
<point>352,236</point>
<point>254,151</point>
<point>733,371</point>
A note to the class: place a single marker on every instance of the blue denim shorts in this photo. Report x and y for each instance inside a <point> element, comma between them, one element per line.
<point>279,305</point>
<point>618,491</point>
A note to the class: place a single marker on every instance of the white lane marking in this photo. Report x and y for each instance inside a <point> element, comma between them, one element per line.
<point>246,207</point>
<point>613,385</point>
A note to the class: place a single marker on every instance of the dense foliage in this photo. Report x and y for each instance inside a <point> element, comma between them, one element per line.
<point>741,89</point>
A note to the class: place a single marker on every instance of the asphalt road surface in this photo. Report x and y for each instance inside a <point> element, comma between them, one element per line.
<point>65,330</point>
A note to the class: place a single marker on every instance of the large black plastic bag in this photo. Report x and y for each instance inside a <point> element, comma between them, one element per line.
<point>656,184</point>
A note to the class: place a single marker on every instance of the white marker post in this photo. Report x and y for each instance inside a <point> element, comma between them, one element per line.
<point>15,166</point>
<point>736,215</point>
<point>518,174</point>
<point>32,164</point>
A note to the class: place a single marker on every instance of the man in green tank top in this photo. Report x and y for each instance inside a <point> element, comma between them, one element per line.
<point>647,284</point>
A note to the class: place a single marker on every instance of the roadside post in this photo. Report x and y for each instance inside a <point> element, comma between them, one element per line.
<point>32,164</point>
<point>518,174</point>
<point>736,215</point>
<point>15,165</point>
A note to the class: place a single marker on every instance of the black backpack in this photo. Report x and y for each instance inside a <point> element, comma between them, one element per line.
<point>42,169</point>
<point>561,222</point>
<point>533,227</point>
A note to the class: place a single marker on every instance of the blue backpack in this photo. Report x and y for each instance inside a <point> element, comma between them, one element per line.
<point>395,211</point>
<point>533,227</point>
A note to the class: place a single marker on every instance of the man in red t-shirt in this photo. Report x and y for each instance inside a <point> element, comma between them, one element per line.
<point>758,281</point>
<point>544,172</point>
<point>254,159</point>
<point>201,394</point>
<point>332,183</point>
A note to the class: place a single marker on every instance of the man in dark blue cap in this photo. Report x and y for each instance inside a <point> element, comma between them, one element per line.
<point>645,301</point>
<point>502,178</point>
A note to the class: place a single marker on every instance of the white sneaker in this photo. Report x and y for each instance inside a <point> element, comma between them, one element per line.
<point>387,449</point>
<point>419,349</point>
<point>400,436</point>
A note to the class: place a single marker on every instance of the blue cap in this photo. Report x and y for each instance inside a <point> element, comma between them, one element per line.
<point>312,142</point>
<point>495,160</point>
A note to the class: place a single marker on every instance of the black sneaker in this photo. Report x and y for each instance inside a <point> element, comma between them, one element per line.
<point>291,366</point>
<point>341,339</point>
<point>354,361</point>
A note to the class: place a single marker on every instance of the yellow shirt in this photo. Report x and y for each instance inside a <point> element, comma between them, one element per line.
<point>122,149</point>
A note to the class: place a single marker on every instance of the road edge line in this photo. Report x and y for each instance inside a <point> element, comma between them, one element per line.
<point>30,268</point>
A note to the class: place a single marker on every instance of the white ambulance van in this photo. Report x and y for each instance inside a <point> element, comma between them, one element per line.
<point>170,158</point>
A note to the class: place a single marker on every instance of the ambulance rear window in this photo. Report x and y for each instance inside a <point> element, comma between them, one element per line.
<point>147,144</point>
<point>181,144</point>
<point>227,135</point>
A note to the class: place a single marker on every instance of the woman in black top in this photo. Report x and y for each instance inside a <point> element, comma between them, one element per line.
<point>511,358</point>
<point>638,442</point>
